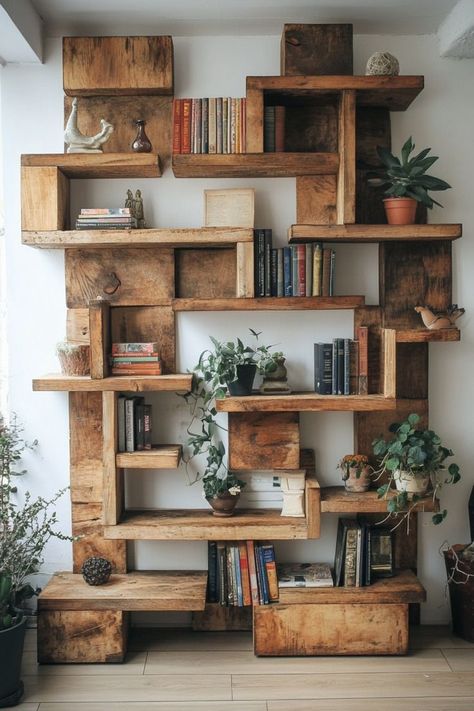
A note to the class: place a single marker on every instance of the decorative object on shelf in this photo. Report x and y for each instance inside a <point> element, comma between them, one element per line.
<point>414,460</point>
<point>96,571</point>
<point>276,382</point>
<point>406,182</point>
<point>130,203</point>
<point>142,143</point>
<point>25,529</point>
<point>224,502</point>
<point>74,358</point>
<point>434,321</point>
<point>382,64</point>
<point>77,142</point>
<point>138,210</point>
<point>229,207</point>
<point>292,487</point>
<point>356,472</point>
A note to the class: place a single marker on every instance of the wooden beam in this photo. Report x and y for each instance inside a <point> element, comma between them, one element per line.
<point>100,338</point>
<point>305,402</point>
<point>113,476</point>
<point>245,287</point>
<point>120,383</point>
<point>44,198</point>
<point>97,165</point>
<point>389,364</point>
<point>372,233</point>
<point>345,196</point>
<point>254,165</point>
<point>254,118</point>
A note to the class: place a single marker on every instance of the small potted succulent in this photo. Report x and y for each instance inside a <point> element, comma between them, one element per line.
<point>407,183</point>
<point>356,472</point>
<point>414,460</point>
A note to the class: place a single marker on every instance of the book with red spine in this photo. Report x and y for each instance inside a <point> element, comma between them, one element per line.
<point>301,251</point>
<point>186,126</point>
<point>244,570</point>
<point>177,126</point>
<point>252,573</point>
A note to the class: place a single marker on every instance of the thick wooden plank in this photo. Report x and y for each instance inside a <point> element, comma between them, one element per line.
<point>345,195</point>
<point>44,198</point>
<point>305,402</point>
<point>254,165</point>
<point>193,269</point>
<point>426,336</point>
<point>313,506</point>
<point>294,303</point>
<point>77,326</point>
<point>309,127</point>
<point>264,441</point>
<point>163,456</point>
<point>149,590</point>
<point>99,336</point>
<point>412,370</point>
<point>113,496</point>
<point>199,524</point>
<point>333,55</point>
<point>120,383</point>
<point>125,277</point>
<point>315,203</point>
<point>300,630</point>
<point>216,618</point>
<point>97,165</point>
<point>245,287</point>
<point>254,121</point>
<point>140,65</point>
<point>389,362</point>
<point>147,323</point>
<point>87,522</point>
<point>372,233</point>
<point>335,499</point>
<point>81,637</point>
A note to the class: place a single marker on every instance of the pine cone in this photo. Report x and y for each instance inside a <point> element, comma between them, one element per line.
<point>96,571</point>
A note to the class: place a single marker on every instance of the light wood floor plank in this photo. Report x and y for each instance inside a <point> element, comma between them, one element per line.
<point>430,661</point>
<point>134,666</point>
<point>256,687</point>
<point>187,640</point>
<point>29,707</point>
<point>147,706</point>
<point>460,660</point>
<point>210,687</point>
<point>440,636</point>
<point>428,704</point>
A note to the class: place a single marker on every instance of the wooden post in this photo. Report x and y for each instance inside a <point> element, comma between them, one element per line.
<point>245,270</point>
<point>389,364</point>
<point>113,476</point>
<point>100,338</point>
<point>44,198</point>
<point>254,128</point>
<point>345,201</point>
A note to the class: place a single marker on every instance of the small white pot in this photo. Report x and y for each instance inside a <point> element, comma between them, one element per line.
<point>411,483</point>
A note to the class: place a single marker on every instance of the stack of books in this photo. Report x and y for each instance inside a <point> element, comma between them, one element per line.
<point>242,573</point>
<point>340,367</point>
<point>215,125</point>
<point>136,359</point>
<point>304,575</point>
<point>364,552</point>
<point>133,424</point>
<point>298,270</point>
<point>105,218</point>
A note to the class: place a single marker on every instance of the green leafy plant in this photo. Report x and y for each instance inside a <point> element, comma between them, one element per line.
<point>25,527</point>
<point>214,370</point>
<point>406,176</point>
<point>358,462</point>
<point>419,452</point>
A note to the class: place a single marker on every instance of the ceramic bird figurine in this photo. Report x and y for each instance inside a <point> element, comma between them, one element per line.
<point>443,319</point>
<point>77,142</point>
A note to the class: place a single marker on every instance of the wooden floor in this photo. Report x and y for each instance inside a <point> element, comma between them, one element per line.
<point>182,671</point>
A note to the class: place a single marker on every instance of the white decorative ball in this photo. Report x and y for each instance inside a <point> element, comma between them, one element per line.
<point>382,63</point>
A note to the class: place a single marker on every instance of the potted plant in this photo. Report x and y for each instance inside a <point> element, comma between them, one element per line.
<point>217,371</point>
<point>25,529</point>
<point>407,183</point>
<point>414,460</point>
<point>356,472</point>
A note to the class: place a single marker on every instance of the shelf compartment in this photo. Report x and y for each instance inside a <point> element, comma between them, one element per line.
<point>200,524</point>
<point>373,233</point>
<point>97,165</point>
<point>175,238</point>
<point>335,499</point>
<point>121,383</point>
<point>254,165</point>
<point>166,456</point>
<point>443,335</point>
<point>294,303</point>
<point>148,590</point>
<point>306,402</point>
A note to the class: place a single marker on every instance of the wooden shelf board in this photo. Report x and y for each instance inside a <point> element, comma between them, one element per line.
<point>427,336</point>
<point>270,303</point>
<point>98,165</point>
<point>394,93</point>
<point>373,233</point>
<point>150,591</point>
<point>305,402</point>
<point>165,456</point>
<point>403,588</point>
<point>120,383</point>
<point>254,165</point>
<point>177,238</point>
<point>200,524</point>
<point>335,499</point>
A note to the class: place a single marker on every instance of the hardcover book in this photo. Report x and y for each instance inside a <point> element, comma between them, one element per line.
<point>304,575</point>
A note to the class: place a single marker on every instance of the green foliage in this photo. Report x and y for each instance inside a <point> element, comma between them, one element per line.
<point>25,528</point>
<point>406,177</point>
<point>420,452</point>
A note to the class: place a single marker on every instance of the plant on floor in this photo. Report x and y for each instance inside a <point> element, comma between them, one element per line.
<point>414,459</point>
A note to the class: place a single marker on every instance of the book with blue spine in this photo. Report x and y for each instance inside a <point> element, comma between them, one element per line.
<point>287,281</point>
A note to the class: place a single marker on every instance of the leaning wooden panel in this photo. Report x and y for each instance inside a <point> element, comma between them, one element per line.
<point>44,199</point>
<point>87,637</point>
<point>117,65</point>
<point>264,441</point>
<point>147,323</point>
<point>316,199</point>
<point>99,334</point>
<point>346,179</point>
<point>125,277</point>
<point>216,618</point>
<point>193,269</point>
<point>314,630</point>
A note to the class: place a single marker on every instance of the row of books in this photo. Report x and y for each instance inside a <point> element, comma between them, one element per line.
<point>105,218</point>
<point>241,573</point>
<point>209,125</point>
<point>274,129</point>
<point>341,367</point>
<point>133,424</point>
<point>364,552</point>
<point>136,359</point>
<point>297,270</point>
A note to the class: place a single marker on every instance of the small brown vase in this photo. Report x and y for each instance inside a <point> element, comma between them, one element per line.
<point>223,505</point>
<point>400,211</point>
<point>142,143</point>
<point>357,484</point>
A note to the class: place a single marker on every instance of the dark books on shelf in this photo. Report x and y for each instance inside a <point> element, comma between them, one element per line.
<point>364,552</point>
<point>106,218</point>
<point>304,575</point>
<point>336,367</point>
<point>274,129</point>
<point>209,125</point>
<point>136,359</point>
<point>133,424</point>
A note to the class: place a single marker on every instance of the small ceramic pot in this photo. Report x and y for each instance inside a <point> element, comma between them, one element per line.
<point>400,211</point>
<point>411,483</point>
<point>223,505</point>
<point>357,480</point>
<point>74,358</point>
<point>244,383</point>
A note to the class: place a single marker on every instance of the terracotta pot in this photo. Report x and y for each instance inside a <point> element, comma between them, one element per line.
<point>354,483</point>
<point>223,505</point>
<point>244,383</point>
<point>411,483</point>
<point>400,211</point>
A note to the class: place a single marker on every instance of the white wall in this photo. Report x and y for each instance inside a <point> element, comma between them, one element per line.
<point>442,117</point>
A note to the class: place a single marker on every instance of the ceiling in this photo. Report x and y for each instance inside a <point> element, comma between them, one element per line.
<point>237,17</point>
